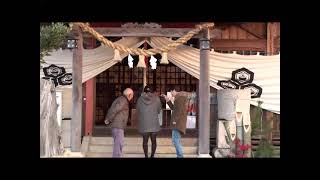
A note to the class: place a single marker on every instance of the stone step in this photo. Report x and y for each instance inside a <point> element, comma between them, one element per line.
<point>137,149</point>
<point>139,155</point>
<point>137,140</point>
<point>133,132</point>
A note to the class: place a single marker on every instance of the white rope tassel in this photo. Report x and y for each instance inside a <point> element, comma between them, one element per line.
<point>141,62</point>
<point>117,56</point>
<point>164,59</point>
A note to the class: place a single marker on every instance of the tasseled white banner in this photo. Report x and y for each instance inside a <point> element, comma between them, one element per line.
<point>239,118</point>
<point>117,56</point>
<point>164,59</point>
<point>222,135</point>
<point>246,122</point>
<point>233,129</point>
<point>141,62</point>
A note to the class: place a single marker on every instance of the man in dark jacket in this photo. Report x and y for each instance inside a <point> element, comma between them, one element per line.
<point>118,115</point>
<point>148,109</point>
<point>178,117</point>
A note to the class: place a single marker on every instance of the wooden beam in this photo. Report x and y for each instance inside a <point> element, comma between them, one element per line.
<point>241,44</point>
<point>76,120</point>
<point>204,99</point>
<point>248,30</point>
<point>276,42</point>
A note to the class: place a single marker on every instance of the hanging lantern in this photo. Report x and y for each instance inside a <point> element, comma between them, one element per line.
<point>72,43</point>
<point>130,61</point>
<point>141,62</point>
<point>153,62</point>
<point>164,59</point>
<point>205,44</point>
<point>117,56</point>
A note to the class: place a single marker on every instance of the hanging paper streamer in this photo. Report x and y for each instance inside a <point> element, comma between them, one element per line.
<point>117,56</point>
<point>153,62</point>
<point>130,61</point>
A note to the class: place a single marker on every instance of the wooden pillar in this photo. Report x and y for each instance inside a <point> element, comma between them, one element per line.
<point>270,38</point>
<point>204,99</point>
<point>197,105</point>
<point>271,27</point>
<point>90,105</point>
<point>76,92</point>
<point>90,101</point>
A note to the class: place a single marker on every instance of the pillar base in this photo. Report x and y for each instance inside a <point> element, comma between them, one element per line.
<point>204,156</point>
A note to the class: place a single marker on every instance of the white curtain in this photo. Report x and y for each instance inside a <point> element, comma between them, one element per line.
<point>266,69</point>
<point>95,60</point>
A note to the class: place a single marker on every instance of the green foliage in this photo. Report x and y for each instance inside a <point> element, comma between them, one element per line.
<point>265,149</point>
<point>51,38</point>
<point>256,121</point>
<point>264,128</point>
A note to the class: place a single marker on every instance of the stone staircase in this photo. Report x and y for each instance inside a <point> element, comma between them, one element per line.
<point>103,146</point>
